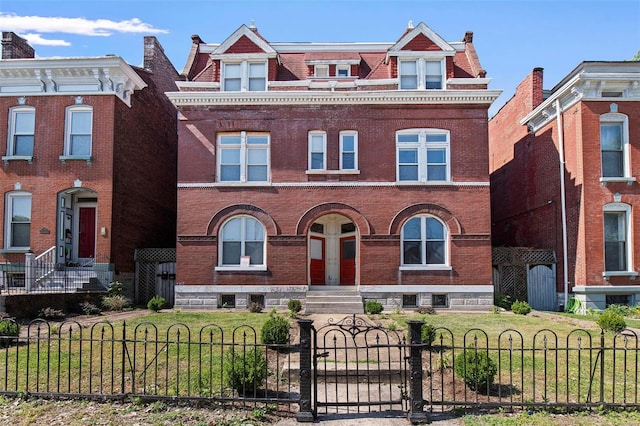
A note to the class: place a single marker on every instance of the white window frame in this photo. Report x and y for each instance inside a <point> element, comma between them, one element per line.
<point>421,71</point>
<point>624,209</point>
<point>312,134</point>
<point>245,76</point>
<point>623,121</point>
<point>423,243</point>
<point>321,71</point>
<point>8,229</point>
<point>343,67</point>
<point>245,149</point>
<point>355,149</point>
<point>13,132</point>
<point>67,154</point>
<point>422,147</point>
<point>255,267</point>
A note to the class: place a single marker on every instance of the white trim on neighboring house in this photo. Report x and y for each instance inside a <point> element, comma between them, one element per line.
<point>70,76</point>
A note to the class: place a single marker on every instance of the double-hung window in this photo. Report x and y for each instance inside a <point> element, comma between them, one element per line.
<point>244,76</point>
<point>614,145</point>
<point>617,237</point>
<point>348,150</point>
<point>242,243</point>
<point>424,242</point>
<point>421,73</point>
<point>18,220</point>
<point>317,150</point>
<point>78,132</point>
<point>243,157</point>
<point>21,132</point>
<point>423,155</point>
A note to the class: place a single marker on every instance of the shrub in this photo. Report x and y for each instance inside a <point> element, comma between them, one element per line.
<point>294,305</point>
<point>115,288</point>
<point>610,320</point>
<point>115,303</point>
<point>245,371</point>
<point>373,307</point>
<point>51,313</point>
<point>622,310</point>
<point>89,308</point>
<point>426,310</point>
<point>156,303</point>
<point>520,308</point>
<point>255,307</point>
<point>427,334</point>
<point>9,330</point>
<point>275,330</point>
<point>476,369</point>
<point>502,300</point>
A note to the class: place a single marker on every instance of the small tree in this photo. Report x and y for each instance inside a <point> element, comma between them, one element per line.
<point>610,320</point>
<point>275,330</point>
<point>476,369</point>
<point>245,371</point>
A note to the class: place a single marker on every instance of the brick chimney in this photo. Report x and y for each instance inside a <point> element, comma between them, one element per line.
<point>15,47</point>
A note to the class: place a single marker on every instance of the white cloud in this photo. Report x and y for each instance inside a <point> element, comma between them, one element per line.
<point>37,39</point>
<point>78,26</point>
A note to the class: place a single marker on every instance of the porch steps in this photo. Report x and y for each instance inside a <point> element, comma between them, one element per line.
<point>339,301</point>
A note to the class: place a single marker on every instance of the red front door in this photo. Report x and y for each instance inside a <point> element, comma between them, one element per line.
<point>317,256</point>
<point>87,232</point>
<point>348,260</point>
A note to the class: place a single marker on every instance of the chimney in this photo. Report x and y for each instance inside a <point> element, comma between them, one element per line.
<point>15,47</point>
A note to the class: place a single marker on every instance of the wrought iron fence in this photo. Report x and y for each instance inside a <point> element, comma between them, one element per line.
<point>579,370</point>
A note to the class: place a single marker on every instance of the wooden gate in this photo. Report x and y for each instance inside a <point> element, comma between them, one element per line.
<point>359,367</point>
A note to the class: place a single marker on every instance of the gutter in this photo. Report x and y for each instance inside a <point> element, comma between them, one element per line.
<point>565,267</point>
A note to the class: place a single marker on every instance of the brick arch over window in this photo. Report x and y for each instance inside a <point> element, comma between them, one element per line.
<point>322,209</point>
<point>455,228</point>
<point>239,209</point>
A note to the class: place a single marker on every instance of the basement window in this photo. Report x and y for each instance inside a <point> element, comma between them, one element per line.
<point>227,301</point>
<point>409,300</point>
<point>439,301</point>
<point>256,298</point>
<point>616,299</point>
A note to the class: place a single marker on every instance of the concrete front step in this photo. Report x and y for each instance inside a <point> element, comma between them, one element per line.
<point>346,301</point>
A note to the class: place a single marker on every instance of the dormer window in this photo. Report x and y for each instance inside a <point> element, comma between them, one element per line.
<point>343,70</point>
<point>321,71</point>
<point>244,76</point>
<point>420,73</point>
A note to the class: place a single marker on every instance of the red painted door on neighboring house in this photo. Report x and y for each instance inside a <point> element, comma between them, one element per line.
<point>348,260</point>
<point>87,232</point>
<point>317,266</point>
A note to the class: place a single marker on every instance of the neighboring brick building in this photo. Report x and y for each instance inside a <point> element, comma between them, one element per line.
<point>599,120</point>
<point>90,161</point>
<point>319,166</point>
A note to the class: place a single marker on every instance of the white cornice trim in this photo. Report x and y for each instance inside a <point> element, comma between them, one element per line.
<point>231,57</point>
<point>332,61</point>
<point>198,84</point>
<point>469,81</point>
<point>330,184</point>
<point>67,76</point>
<point>421,54</point>
<point>302,47</point>
<point>433,97</point>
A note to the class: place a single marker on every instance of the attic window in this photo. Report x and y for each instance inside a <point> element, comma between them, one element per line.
<point>611,94</point>
<point>321,71</point>
<point>420,74</point>
<point>343,70</point>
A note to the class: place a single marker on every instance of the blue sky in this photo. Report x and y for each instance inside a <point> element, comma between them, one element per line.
<point>511,36</point>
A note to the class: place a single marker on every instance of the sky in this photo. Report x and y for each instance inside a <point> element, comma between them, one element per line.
<point>511,37</point>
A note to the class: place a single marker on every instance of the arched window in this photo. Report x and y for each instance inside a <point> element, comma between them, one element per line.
<point>242,243</point>
<point>424,242</point>
<point>614,146</point>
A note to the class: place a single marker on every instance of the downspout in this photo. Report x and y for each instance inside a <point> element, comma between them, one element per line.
<point>563,209</point>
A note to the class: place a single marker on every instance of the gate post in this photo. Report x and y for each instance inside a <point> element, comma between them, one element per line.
<point>416,401</point>
<point>305,413</point>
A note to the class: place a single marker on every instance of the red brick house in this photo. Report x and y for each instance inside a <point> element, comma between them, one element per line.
<point>353,167</point>
<point>564,167</point>
<point>88,165</point>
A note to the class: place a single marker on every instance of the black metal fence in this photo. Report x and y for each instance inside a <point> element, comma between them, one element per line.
<point>580,370</point>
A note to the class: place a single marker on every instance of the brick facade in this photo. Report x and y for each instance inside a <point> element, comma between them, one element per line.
<point>295,198</point>
<point>525,177</point>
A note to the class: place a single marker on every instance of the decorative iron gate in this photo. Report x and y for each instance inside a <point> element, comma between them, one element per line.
<point>155,274</point>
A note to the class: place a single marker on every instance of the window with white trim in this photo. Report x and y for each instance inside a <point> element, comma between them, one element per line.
<point>244,76</point>
<point>18,220</point>
<point>348,150</point>
<point>420,73</point>
<point>424,242</point>
<point>78,132</point>
<point>317,150</point>
<point>614,145</point>
<point>617,237</point>
<point>21,131</point>
<point>343,70</point>
<point>321,70</point>
<point>243,157</point>
<point>242,243</point>
<point>422,155</point>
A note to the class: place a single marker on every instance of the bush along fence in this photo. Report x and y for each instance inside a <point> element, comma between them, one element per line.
<point>349,366</point>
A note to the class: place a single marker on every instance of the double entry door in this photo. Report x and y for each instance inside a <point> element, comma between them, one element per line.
<point>332,251</point>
